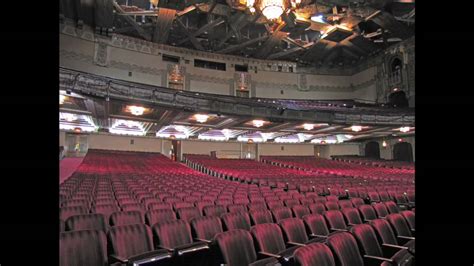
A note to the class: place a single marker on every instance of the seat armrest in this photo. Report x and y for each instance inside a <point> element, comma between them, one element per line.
<point>115,258</point>
<point>154,255</point>
<point>321,236</point>
<point>340,230</point>
<point>163,247</point>
<point>270,254</point>
<point>188,248</point>
<point>203,240</point>
<point>394,246</point>
<point>296,244</point>
<point>406,237</point>
<point>377,258</point>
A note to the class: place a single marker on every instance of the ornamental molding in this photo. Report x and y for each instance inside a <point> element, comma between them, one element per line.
<point>71,55</point>
<point>137,68</point>
<point>211,79</point>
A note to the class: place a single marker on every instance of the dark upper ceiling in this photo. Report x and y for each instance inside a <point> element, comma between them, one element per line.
<point>222,26</point>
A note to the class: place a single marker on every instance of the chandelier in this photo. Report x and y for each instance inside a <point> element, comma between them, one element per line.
<point>136,110</point>
<point>308,126</point>
<point>404,129</point>
<point>201,118</point>
<point>356,128</point>
<point>258,123</point>
<point>272,9</point>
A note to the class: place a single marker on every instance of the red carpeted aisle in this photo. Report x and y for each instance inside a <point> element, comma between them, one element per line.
<point>67,166</point>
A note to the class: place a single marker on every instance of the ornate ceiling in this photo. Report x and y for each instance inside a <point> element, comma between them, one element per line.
<point>325,32</point>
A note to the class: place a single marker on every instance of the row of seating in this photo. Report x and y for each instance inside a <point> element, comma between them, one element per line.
<point>118,191</point>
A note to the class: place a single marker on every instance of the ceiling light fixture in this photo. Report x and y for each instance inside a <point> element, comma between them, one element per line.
<point>136,110</point>
<point>69,117</point>
<point>404,129</point>
<point>308,126</point>
<point>356,128</point>
<point>201,118</point>
<point>258,123</point>
<point>61,99</point>
<point>384,144</point>
<point>272,9</point>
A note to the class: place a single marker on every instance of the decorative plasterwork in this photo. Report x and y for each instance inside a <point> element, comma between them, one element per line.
<point>136,68</point>
<point>71,55</point>
<point>101,52</point>
<point>211,79</point>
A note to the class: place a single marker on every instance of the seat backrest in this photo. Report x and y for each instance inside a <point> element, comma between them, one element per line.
<point>300,210</point>
<point>153,217</point>
<point>257,206</point>
<point>332,198</point>
<point>214,210</point>
<point>171,234</point>
<point>332,205</point>
<point>345,204</point>
<point>66,212</point>
<point>291,202</point>
<point>237,208</point>
<point>374,196</point>
<point>86,222</point>
<point>269,237</point>
<point>188,213</point>
<point>125,218</point>
<point>236,220</point>
<point>392,207</point>
<point>78,202</point>
<point>202,204</point>
<point>399,224</point>
<point>357,202</point>
<point>352,216</point>
<point>316,224</point>
<point>159,206</point>
<point>83,247</point>
<point>380,209</point>
<point>335,219</point>
<point>179,205</point>
<point>261,216</point>
<point>294,230</point>
<point>105,210</point>
<point>206,227</point>
<point>129,240</point>
<point>368,212</point>
<point>236,247</point>
<point>314,254</point>
<point>384,196</point>
<point>384,231</point>
<point>410,218</point>
<point>317,208</point>
<point>345,249</point>
<point>281,213</point>
<point>367,239</point>
<point>274,204</point>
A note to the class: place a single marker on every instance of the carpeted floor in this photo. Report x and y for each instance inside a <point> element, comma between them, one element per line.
<point>67,166</point>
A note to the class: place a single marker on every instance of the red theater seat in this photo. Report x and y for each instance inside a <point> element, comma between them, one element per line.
<point>236,220</point>
<point>188,213</point>
<point>335,220</point>
<point>367,212</point>
<point>66,212</point>
<point>84,247</point>
<point>316,224</point>
<point>206,228</point>
<point>314,254</point>
<point>214,210</point>
<point>295,232</point>
<point>86,222</point>
<point>410,218</point>
<point>163,215</point>
<point>345,249</point>
<point>352,216</point>
<point>300,210</point>
<point>269,239</point>
<point>237,249</point>
<point>125,218</point>
<point>381,210</point>
<point>317,208</point>
<point>261,216</point>
<point>134,242</point>
<point>281,213</point>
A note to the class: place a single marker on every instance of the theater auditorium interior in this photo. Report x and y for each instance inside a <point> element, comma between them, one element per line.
<point>237,132</point>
